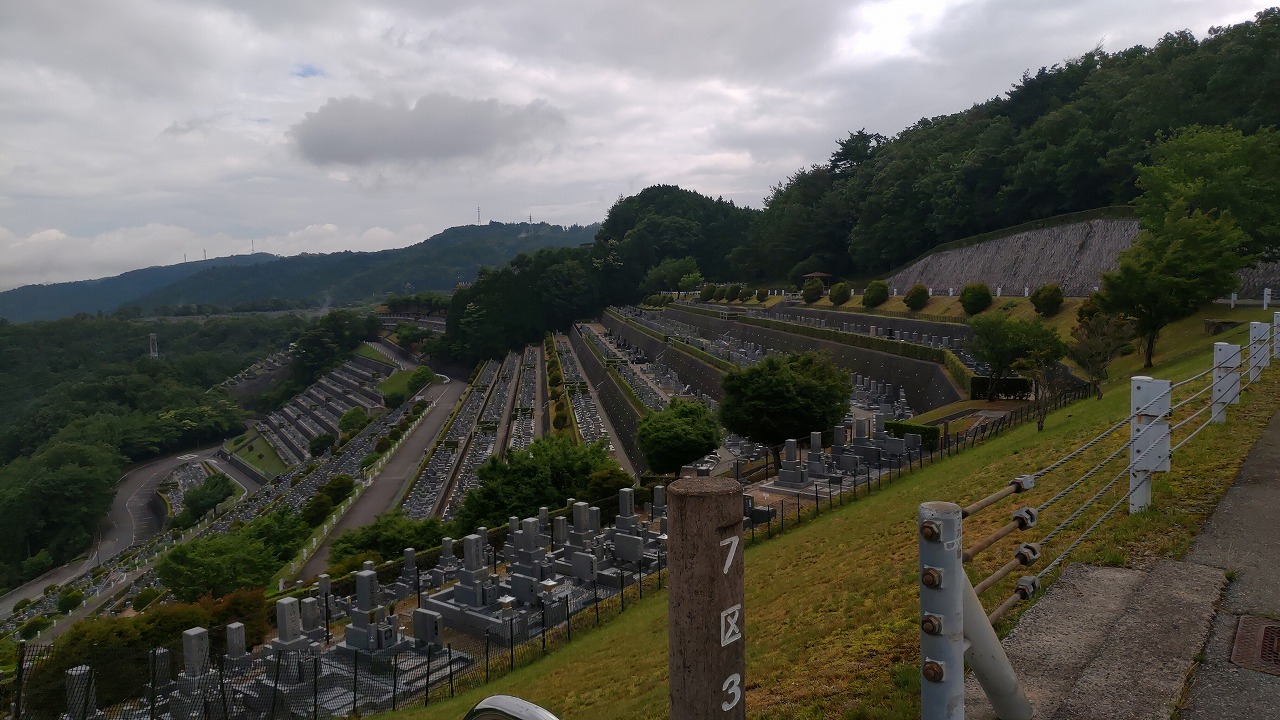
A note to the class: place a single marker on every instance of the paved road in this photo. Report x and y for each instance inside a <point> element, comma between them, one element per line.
<point>129,520</point>
<point>378,498</point>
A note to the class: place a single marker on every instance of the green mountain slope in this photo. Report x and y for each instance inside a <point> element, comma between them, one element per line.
<point>47,302</point>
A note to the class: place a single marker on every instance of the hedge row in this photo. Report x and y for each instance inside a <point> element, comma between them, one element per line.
<point>708,358</point>
<point>1010,388</point>
<point>930,435</point>
<point>941,356</point>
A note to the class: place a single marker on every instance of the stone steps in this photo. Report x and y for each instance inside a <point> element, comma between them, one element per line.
<point>1111,643</point>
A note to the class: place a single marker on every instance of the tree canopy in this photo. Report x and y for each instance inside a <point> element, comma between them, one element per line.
<point>680,433</point>
<point>784,397</point>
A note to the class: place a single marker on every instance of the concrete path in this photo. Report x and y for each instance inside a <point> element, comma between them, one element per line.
<point>399,471</point>
<point>1243,538</point>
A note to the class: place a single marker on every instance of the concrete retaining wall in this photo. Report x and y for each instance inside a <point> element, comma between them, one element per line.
<point>613,400</point>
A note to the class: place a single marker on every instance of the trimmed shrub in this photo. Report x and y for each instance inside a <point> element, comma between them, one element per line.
<point>929,434</point>
<point>917,297</point>
<point>317,509</point>
<point>719,293</point>
<point>746,293</point>
<point>383,444</point>
<point>707,292</point>
<point>840,293</point>
<point>975,297</point>
<point>69,600</point>
<point>731,293</point>
<point>876,294</point>
<point>812,290</point>
<point>1047,300</point>
<point>762,295</point>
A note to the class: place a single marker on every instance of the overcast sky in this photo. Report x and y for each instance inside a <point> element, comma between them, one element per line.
<point>134,131</point>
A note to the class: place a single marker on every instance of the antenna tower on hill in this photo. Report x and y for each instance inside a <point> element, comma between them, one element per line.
<point>155,345</point>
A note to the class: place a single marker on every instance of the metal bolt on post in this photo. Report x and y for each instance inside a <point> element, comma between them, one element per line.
<point>941,612</point>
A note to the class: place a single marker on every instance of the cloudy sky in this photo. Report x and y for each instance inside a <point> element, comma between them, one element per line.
<point>134,131</point>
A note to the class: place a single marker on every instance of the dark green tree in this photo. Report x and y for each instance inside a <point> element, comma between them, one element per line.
<point>975,297</point>
<point>679,434</point>
<point>320,444</point>
<point>1039,364</point>
<point>1047,300</point>
<point>998,342</point>
<point>784,397</point>
<point>876,294</point>
<point>916,298</point>
<point>812,290</point>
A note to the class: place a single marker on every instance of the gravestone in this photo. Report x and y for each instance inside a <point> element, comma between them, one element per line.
<point>237,660</point>
<point>428,630</point>
<point>82,696</point>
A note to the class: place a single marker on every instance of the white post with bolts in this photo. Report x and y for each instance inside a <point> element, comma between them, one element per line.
<point>1275,333</point>
<point>1226,381</point>
<point>1149,436</point>
<point>942,581</point>
<point>1259,353</point>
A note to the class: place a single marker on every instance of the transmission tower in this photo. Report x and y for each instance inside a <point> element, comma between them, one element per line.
<point>155,346</point>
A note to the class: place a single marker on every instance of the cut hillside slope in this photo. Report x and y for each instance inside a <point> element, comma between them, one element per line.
<point>1073,255</point>
<point>831,607</point>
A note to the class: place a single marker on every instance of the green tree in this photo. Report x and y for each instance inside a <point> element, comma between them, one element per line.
<point>840,293</point>
<point>707,293</point>
<point>876,294</point>
<point>387,537</point>
<point>690,281</point>
<point>69,599</point>
<point>917,297</point>
<point>317,509</point>
<point>202,499</point>
<point>998,342</point>
<point>975,297</point>
<point>784,397</point>
<point>320,444</point>
<point>680,433</point>
<point>338,488</point>
<point>812,290</point>
<point>1097,340</point>
<point>1177,265</point>
<point>1039,364</point>
<point>353,420</point>
<point>762,295</point>
<point>719,293</point>
<point>1047,300</point>
<point>666,275</point>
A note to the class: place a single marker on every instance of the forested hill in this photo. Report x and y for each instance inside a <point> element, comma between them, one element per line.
<point>1063,139</point>
<point>47,302</point>
<point>268,282</point>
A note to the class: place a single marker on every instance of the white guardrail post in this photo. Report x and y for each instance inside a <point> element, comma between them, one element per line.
<point>1259,354</point>
<point>1226,381</point>
<point>1275,333</point>
<point>1149,433</point>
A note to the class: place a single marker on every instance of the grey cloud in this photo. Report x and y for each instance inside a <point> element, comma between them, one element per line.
<point>357,131</point>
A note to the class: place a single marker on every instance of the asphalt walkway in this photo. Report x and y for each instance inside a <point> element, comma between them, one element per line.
<point>1243,539</point>
<point>397,473</point>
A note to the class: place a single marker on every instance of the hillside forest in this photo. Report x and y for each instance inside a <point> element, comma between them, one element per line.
<point>1065,138</point>
<point>81,399</point>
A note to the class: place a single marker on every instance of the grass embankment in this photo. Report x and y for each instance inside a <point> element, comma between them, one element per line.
<point>831,607</point>
<point>256,451</point>
<point>396,382</point>
<point>367,351</point>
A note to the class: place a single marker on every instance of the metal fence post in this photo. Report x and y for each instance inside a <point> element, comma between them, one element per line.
<point>942,583</point>
<point>449,649</point>
<point>1149,436</point>
<point>1226,381</point>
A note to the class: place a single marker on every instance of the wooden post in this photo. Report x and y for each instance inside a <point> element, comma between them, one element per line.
<point>705,614</point>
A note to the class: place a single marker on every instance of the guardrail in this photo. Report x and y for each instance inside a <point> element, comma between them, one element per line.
<point>955,628</point>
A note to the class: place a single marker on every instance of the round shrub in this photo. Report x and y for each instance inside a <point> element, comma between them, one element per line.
<point>917,297</point>
<point>762,295</point>
<point>876,294</point>
<point>317,509</point>
<point>1047,300</point>
<point>731,293</point>
<point>840,293</point>
<point>561,422</point>
<point>746,293</point>
<point>707,292</point>
<point>975,297</point>
<point>383,444</point>
<point>719,293</point>
<point>555,378</point>
<point>812,290</point>
<point>69,600</point>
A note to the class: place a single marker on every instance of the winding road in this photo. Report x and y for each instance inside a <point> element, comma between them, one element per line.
<point>128,521</point>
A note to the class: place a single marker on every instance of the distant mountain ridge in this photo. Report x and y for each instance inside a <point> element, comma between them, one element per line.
<point>437,263</point>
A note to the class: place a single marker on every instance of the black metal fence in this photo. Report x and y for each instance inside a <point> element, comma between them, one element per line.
<point>327,680</point>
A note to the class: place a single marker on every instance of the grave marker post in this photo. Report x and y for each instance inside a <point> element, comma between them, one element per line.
<point>705,628</point>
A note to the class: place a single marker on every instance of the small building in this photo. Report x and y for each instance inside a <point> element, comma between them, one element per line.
<point>824,277</point>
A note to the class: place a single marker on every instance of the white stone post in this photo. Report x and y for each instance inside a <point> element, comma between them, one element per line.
<point>1226,381</point>
<point>1149,435</point>
<point>1275,333</point>
<point>1258,351</point>
<point>1266,298</point>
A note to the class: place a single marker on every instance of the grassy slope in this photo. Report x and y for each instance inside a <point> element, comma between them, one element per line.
<point>398,380</point>
<point>831,606</point>
<point>270,462</point>
<point>368,352</point>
